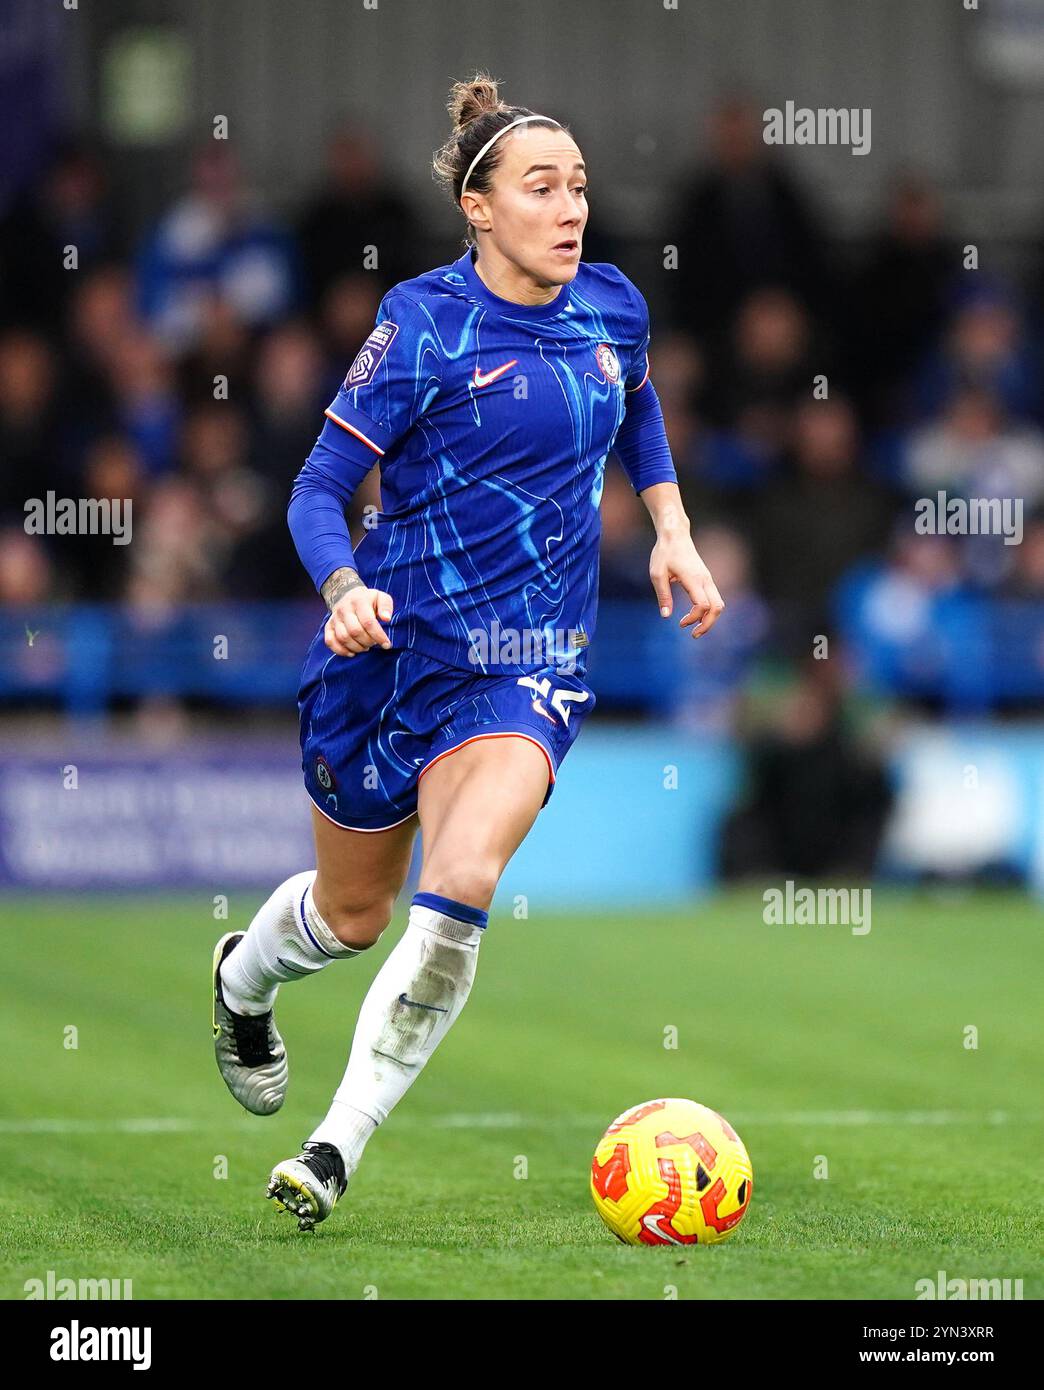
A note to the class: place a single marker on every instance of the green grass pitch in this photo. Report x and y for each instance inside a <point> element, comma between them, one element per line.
<point>812,1041</point>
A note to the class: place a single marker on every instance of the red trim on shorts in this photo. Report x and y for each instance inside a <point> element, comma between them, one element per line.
<point>475,738</point>
<point>359,829</point>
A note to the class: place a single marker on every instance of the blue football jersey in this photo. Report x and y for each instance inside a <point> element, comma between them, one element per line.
<point>492,422</point>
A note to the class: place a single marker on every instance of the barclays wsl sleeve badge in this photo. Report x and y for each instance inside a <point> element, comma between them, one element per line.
<point>360,373</point>
<point>608,362</point>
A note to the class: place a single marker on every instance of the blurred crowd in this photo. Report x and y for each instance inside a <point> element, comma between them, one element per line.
<point>188,371</point>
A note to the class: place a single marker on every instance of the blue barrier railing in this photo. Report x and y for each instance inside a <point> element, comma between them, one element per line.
<point>970,654</point>
<point>83,657</point>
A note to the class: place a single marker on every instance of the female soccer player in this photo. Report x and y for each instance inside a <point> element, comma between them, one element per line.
<point>446,685</point>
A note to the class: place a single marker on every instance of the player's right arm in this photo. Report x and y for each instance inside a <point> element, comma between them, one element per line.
<point>392,380</point>
<point>316,517</point>
<point>354,609</point>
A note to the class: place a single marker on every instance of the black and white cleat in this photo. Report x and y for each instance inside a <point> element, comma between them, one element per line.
<point>309,1185</point>
<point>250,1053</point>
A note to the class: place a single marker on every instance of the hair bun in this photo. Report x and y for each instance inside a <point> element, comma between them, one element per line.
<point>470,100</point>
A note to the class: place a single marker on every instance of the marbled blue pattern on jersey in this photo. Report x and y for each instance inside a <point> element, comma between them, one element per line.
<point>494,421</point>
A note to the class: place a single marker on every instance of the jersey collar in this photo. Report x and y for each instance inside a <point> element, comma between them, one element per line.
<point>508,307</point>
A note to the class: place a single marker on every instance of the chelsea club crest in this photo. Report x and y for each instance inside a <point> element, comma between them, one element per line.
<point>608,362</point>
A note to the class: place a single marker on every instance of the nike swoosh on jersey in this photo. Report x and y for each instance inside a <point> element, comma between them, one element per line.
<point>484,378</point>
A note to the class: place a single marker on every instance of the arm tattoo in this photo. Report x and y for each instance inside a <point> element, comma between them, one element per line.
<point>338,585</point>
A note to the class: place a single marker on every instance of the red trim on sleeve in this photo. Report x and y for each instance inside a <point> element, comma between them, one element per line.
<point>358,433</point>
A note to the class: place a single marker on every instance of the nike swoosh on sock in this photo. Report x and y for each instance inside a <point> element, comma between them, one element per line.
<point>294,969</point>
<point>436,1008</point>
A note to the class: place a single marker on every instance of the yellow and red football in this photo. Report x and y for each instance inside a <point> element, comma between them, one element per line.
<point>671,1172</point>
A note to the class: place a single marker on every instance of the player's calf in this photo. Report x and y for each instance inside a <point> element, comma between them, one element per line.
<point>287,940</point>
<point>355,918</point>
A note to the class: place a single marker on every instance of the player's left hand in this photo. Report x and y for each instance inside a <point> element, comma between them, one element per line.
<point>675,560</point>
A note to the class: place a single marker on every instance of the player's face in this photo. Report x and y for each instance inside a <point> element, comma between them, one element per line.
<point>537,208</point>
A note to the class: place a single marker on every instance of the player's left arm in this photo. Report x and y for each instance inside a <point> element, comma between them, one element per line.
<point>675,560</point>
<point>641,446</point>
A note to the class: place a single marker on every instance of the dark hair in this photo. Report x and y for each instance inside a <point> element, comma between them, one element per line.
<point>478,113</point>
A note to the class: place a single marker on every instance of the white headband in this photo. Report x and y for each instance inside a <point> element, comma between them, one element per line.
<point>490,143</point>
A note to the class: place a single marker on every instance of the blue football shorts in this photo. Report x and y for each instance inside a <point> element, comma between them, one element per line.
<point>372,725</point>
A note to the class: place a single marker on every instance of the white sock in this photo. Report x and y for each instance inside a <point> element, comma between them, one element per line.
<point>286,941</point>
<point>433,966</point>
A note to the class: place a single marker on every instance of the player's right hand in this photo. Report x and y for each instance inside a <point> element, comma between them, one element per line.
<point>353,624</point>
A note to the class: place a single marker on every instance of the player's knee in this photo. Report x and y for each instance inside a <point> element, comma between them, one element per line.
<point>473,883</point>
<point>356,922</point>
